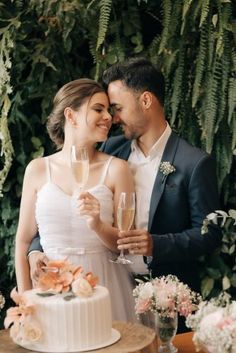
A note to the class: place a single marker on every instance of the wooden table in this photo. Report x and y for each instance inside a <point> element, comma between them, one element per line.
<point>135,338</point>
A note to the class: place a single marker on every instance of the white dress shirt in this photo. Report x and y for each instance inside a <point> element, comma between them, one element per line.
<point>144,169</point>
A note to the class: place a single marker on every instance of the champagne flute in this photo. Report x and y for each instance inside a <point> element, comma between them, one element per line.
<point>79,165</point>
<point>125,218</point>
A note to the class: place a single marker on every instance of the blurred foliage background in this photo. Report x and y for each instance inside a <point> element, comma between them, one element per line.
<point>46,43</point>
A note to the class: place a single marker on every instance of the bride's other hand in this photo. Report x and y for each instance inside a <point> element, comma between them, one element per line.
<point>89,206</point>
<point>37,260</point>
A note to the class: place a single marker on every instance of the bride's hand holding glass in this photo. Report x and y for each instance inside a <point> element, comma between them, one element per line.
<point>89,206</point>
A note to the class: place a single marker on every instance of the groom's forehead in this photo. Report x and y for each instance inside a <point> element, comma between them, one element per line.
<point>117,92</point>
<point>117,87</point>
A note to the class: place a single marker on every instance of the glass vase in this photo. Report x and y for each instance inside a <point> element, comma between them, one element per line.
<point>148,319</point>
<point>166,328</point>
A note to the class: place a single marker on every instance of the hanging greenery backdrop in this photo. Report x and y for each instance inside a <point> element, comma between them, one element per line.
<point>46,43</point>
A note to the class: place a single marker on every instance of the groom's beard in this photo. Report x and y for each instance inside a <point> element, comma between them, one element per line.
<point>131,132</point>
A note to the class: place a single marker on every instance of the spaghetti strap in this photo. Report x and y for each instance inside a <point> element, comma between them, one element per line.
<point>47,160</point>
<point>105,170</point>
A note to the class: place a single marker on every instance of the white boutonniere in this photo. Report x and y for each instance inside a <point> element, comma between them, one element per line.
<point>166,168</point>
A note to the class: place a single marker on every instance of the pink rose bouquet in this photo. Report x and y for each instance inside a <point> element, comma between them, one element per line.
<point>165,295</point>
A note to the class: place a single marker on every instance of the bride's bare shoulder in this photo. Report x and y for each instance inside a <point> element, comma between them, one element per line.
<point>118,168</point>
<point>119,163</point>
<point>37,165</point>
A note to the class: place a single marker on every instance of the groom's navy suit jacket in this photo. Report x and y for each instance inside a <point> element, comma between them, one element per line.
<point>179,203</point>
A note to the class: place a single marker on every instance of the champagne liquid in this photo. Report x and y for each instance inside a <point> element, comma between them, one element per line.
<point>80,171</point>
<point>125,218</point>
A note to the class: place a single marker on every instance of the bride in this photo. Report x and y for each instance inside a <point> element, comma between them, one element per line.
<point>82,229</point>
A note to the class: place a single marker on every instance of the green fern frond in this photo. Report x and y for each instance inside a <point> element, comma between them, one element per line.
<point>212,104</point>
<point>175,25</point>
<point>196,11</point>
<point>224,18</point>
<point>154,46</point>
<point>227,13</point>
<point>200,66</point>
<point>92,46</point>
<point>167,13</point>
<point>222,88</point>
<point>186,7</point>
<point>204,12</point>
<point>97,69</point>
<point>231,98</point>
<point>233,145</point>
<point>211,45</point>
<point>220,44</point>
<point>223,111</point>
<point>219,28</point>
<point>223,154</point>
<point>105,11</point>
<point>170,61</point>
<point>178,81</point>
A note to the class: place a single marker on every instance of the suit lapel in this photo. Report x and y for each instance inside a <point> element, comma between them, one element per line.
<point>124,152</point>
<point>159,185</point>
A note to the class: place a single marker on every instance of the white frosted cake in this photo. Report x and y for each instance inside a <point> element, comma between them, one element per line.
<point>63,322</point>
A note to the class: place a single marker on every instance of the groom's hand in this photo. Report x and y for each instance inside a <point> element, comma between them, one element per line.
<point>137,241</point>
<point>36,260</point>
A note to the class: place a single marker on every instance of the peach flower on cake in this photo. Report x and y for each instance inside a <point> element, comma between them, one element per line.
<point>93,280</point>
<point>31,332</point>
<point>81,287</point>
<point>58,276</point>
<point>16,313</point>
<point>19,319</point>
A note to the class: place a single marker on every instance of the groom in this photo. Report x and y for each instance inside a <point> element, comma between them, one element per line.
<point>175,183</point>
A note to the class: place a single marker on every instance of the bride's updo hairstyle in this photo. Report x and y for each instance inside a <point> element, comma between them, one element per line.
<point>72,95</point>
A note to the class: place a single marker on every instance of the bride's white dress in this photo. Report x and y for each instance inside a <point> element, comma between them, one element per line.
<point>63,233</point>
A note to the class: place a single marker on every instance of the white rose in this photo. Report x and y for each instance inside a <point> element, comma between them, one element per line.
<point>146,291</point>
<point>81,287</point>
<point>211,320</point>
<point>31,332</point>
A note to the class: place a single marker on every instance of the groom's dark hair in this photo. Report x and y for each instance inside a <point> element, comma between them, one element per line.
<point>139,75</point>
